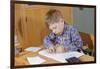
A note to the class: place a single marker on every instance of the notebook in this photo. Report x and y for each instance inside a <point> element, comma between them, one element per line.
<point>61,57</point>
<point>33,49</point>
<point>35,60</point>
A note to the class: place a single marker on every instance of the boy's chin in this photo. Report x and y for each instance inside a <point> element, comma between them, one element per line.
<point>57,33</point>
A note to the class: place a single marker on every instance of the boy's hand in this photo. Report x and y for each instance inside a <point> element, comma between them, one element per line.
<point>60,49</point>
<point>51,49</point>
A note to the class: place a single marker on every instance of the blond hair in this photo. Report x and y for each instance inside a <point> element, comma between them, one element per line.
<point>53,16</point>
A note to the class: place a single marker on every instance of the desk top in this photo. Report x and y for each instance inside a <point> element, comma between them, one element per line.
<point>21,58</point>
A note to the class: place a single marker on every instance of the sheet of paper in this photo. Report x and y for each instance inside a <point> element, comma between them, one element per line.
<point>60,56</point>
<point>35,60</point>
<point>33,49</point>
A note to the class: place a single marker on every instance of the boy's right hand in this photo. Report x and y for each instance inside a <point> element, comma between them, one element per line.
<point>51,49</point>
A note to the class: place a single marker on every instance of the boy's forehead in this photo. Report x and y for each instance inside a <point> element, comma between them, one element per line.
<point>56,21</point>
<point>52,24</point>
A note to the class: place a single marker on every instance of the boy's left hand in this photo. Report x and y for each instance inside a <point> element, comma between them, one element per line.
<point>60,49</point>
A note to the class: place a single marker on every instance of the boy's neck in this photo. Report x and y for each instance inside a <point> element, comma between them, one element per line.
<point>59,34</point>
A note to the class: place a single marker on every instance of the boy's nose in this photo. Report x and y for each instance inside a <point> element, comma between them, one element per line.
<point>54,27</point>
<point>53,31</point>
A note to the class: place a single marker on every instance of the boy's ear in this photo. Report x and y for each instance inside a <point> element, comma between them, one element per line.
<point>62,20</point>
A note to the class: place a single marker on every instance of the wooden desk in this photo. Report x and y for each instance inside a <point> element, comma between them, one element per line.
<point>21,58</point>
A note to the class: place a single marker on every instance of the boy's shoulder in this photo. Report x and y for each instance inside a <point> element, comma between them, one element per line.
<point>68,27</point>
<point>50,35</point>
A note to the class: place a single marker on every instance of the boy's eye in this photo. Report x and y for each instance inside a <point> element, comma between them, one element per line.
<point>54,27</point>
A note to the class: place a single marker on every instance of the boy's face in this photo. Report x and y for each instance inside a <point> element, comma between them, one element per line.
<point>58,27</point>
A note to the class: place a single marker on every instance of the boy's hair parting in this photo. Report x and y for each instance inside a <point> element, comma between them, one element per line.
<point>53,16</point>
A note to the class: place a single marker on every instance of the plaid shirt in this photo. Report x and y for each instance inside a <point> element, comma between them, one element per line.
<point>70,36</point>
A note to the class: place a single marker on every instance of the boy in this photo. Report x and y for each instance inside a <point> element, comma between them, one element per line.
<point>63,37</point>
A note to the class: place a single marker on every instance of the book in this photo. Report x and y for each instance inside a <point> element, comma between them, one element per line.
<point>61,57</point>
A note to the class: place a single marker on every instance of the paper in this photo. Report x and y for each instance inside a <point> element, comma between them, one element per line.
<point>35,60</point>
<point>33,49</point>
<point>60,56</point>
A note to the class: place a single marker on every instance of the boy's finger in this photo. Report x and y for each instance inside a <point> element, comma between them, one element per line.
<point>50,50</point>
<point>53,50</point>
<point>47,50</point>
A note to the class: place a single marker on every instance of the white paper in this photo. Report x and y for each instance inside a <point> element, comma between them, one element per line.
<point>35,60</point>
<point>33,49</point>
<point>60,56</point>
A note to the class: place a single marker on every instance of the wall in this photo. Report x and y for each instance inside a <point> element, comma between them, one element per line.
<point>83,19</point>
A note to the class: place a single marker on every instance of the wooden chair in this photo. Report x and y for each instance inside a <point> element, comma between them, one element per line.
<point>88,43</point>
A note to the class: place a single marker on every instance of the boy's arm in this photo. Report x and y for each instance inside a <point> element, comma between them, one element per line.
<point>76,42</point>
<point>48,43</point>
<point>47,40</point>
